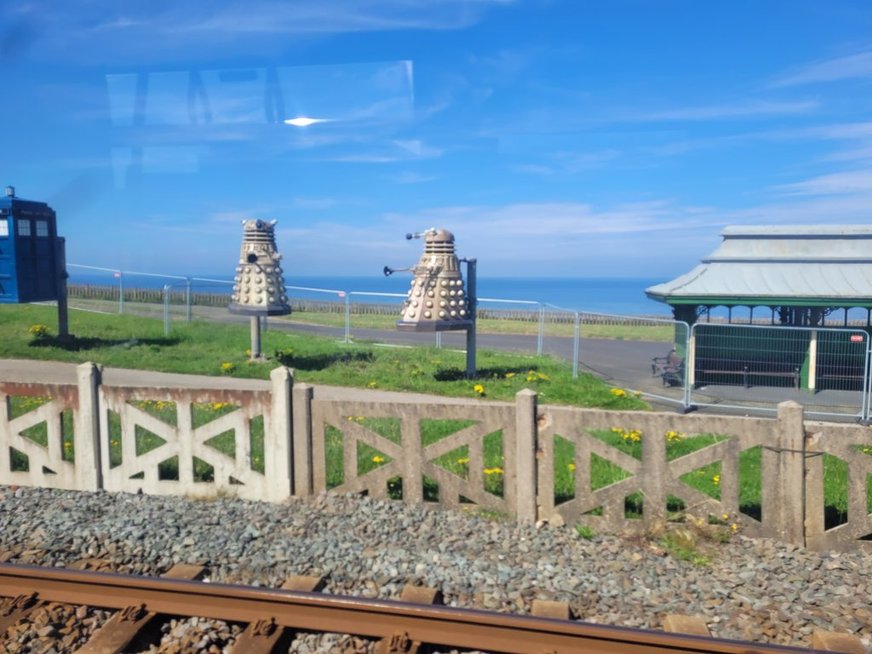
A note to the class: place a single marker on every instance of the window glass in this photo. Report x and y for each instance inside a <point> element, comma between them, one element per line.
<point>42,228</point>
<point>24,228</point>
<point>4,227</point>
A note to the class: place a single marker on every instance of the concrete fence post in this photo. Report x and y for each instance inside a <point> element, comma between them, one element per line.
<point>526,448</point>
<point>88,466</point>
<point>303,472</point>
<point>279,459</point>
<point>654,480</point>
<point>815,520</point>
<point>784,470</point>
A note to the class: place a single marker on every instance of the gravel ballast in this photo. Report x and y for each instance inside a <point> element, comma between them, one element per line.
<point>749,589</point>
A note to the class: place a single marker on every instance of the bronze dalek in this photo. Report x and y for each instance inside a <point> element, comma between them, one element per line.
<point>258,286</point>
<point>437,300</point>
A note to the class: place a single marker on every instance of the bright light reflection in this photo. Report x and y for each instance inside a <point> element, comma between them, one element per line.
<point>305,121</point>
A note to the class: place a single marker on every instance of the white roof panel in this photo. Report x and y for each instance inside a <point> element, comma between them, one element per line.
<point>781,263</point>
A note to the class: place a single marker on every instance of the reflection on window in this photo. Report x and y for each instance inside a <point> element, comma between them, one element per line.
<point>4,227</point>
<point>42,228</point>
<point>24,228</point>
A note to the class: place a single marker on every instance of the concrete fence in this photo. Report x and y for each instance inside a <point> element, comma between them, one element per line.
<point>273,440</point>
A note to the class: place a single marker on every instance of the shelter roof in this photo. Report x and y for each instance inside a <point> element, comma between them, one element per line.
<point>780,266</point>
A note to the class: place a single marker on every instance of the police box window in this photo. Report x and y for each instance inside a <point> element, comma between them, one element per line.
<point>24,228</point>
<point>42,228</point>
<point>4,227</point>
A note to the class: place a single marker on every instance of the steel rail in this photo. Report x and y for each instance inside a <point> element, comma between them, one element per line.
<point>461,628</point>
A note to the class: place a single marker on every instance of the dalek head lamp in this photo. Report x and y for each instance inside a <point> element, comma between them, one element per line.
<point>259,285</point>
<point>437,299</point>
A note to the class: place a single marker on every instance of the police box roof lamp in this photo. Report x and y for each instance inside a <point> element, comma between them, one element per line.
<point>10,191</point>
<point>437,300</point>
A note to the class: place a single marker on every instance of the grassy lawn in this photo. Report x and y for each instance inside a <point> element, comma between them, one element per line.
<point>215,349</point>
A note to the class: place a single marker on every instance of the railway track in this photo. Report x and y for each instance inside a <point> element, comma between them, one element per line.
<point>126,612</point>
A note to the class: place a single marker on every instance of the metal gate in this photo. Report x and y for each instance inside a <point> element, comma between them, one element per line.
<point>756,367</point>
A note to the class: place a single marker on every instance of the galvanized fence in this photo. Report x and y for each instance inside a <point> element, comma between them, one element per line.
<point>751,366</point>
<point>739,367</point>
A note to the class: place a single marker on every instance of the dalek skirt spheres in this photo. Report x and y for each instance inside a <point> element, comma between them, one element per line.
<point>437,300</point>
<point>258,286</point>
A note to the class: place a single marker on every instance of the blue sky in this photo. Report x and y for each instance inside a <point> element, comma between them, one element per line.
<point>554,137</point>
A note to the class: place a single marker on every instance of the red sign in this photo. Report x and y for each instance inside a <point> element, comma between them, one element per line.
<point>856,338</point>
<point>341,293</point>
<point>117,275</point>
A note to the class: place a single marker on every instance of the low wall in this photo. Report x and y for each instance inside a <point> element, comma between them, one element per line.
<point>279,439</point>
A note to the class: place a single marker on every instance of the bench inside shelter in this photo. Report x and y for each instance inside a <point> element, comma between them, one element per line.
<point>747,373</point>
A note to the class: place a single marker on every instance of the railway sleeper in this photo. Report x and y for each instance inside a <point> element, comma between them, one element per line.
<point>265,636</point>
<point>133,623</point>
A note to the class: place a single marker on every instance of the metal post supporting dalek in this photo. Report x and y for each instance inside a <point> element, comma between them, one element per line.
<point>259,286</point>
<point>437,300</point>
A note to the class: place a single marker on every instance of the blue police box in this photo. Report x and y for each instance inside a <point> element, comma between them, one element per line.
<point>32,268</point>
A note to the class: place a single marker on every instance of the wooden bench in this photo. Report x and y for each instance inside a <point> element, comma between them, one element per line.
<point>670,369</point>
<point>745,371</point>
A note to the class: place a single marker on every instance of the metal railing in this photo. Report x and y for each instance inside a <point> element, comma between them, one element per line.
<point>738,367</point>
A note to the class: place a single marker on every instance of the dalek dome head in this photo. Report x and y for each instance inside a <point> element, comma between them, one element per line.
<point>259,283</point>
<point>433,236</point>
<point>437,299</point>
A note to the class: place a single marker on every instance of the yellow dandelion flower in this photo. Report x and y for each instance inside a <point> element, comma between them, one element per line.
<point>378,459</point>
<point>372,384</point>
<point>509,375</point>
<point>734,527</point>
<point>570,467</point>
<point>716,480</point>
<point>478,388</point>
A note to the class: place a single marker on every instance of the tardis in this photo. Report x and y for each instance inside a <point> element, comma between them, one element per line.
<point>31,255</point>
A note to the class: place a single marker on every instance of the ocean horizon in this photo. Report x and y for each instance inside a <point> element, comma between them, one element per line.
<point>611,295</point>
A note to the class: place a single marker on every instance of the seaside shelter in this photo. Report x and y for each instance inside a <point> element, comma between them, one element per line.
<point>803,286</point>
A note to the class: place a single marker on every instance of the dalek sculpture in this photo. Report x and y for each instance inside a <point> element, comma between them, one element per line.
<point>258,286</point>
<point>437,300</point>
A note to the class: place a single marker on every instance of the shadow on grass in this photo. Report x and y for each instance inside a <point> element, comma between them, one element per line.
<point>456,374</point>
<point>321,361</point>
<point>76,344</point>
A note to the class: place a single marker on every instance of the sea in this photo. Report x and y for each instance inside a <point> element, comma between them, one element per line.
<point>609,295</point>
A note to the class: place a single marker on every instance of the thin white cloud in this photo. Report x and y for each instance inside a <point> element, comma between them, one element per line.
<point>727,111</point>
<point>132,29</point>
<point>861,153</point>
<point>852,66</point>
<point>410,177</point>
<point>841,183</point>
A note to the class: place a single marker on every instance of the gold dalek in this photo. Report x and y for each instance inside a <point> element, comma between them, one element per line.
<point>437,299</point>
